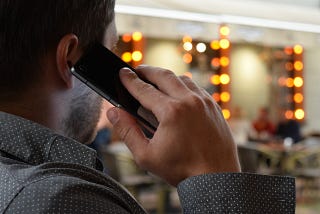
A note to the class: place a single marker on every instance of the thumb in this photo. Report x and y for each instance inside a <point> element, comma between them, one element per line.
<point>128,130</point>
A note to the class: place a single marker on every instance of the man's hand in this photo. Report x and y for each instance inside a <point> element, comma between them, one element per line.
<point>192,138</point>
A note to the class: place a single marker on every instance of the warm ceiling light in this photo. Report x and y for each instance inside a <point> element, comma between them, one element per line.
<point>298,98</point>
<point>187,58</point>
<point>201,47</point>
<point>126,37</point>
<point>298,49</point>
<point>224,43</point>
<point>224,61</point>
<point>187,39</point>
<point>137,56</point>
<point>289,82</point>
<point>289,115</point>
<point>298,82</point>
<point>137,36</point>
<point>298,65</point>
<point>288,50</point>
<point>216,97</point>
<point>225,79</point>
<point>215,62</point>
<point>225,97</point>
<point>187,46</point>
<point>226,114</point>
<point>225,31</point>
<point>215,79</point>
<point>299,114</point>
<point>127,57</point>
<point>215,45</point>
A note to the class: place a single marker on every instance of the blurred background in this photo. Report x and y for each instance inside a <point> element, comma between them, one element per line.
<point>258,59</point>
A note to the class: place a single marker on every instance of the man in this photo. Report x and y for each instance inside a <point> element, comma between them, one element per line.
<point>45,112</point>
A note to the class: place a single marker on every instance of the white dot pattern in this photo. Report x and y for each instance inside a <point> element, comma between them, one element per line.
<point>42,172</point>
<point>237,193</point>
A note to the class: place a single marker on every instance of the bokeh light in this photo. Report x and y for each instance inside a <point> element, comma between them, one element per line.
<point>289,114</point>
<point>137,56</point>
<point>187,46</point>
<point>127,57</point>
<point>298,82</point>
<point>215,45</point>
<point>299,114</point>
<point>226,114</point>
<point>224,61</point>
<point>225,97</point>
<point>215,62</point>
<point>298,65</point>
<point>216,97</point>
<point>298,98</point>
<point>126,37</point>
<point>137,36</point>
<point>225,79</point>
<point>187,58</point>
<point>201,47</point>
<point>224,43</point>
<point>289,82</point>
<point>288,50</point>
<point>215,79</point>
<point>289,66</point>
<point>298,49</point>
<point>225,31</point>
<point>188,74</point>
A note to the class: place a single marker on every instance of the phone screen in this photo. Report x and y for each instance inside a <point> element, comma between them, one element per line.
<point>99,69</point>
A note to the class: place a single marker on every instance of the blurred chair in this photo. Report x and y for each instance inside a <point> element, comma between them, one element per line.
<point>249,159</point>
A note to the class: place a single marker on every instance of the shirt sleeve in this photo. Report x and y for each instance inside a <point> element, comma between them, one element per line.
<point>237,193</point>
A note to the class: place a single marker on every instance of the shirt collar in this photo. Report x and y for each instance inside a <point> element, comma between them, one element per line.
<point>35,144</point>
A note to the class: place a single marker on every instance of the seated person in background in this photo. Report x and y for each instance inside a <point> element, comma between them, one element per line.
<point>288,128</point>
<point>263,127</point>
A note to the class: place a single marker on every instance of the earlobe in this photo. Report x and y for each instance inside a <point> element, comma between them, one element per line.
<point>66,55</point>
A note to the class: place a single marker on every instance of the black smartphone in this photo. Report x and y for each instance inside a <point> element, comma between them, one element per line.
<point>99,69</point>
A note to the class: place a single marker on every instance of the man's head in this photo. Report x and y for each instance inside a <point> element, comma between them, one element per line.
<point>40,40</point>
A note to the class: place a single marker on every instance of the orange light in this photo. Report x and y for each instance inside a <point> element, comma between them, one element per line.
<point>215,62</point>
<point>187,39</point>
<point>137,36</point>
<point>127,57</point>
<point>225,79</point>
<point>137,56</point>
<point>298,82</point>
<point>298,98</point>
<point>226,114</point>
<point>224,61</point>
<point>289,115</point>
<point>224,31</point>
<point>298,65</point>
<point>215,79</point>
<point>282,81</point>
<point>225,97</point>
<point>187,58</point>
<point>224,43</point>
<point>288,50</point>
<point>298,49</point>
<point>289,66</point>
<point>215,45</point>
<point>299,114</point>
<point>126,37</point>
<point>187,46</point>
<point>188,74</point>
<point>216,97</point>
<point>289,82</point>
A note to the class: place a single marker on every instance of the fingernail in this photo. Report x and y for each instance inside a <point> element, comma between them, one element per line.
<point>112,115</point>
<point>125,70</point>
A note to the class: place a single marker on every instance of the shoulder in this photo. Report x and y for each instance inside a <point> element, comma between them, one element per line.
<point>70,190</point>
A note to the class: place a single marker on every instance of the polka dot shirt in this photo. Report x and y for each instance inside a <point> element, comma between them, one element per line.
<point>42,172</point>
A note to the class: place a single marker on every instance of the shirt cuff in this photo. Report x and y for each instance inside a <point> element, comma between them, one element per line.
<point>237,193</point>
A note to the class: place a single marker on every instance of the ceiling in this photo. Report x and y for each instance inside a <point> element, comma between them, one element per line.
<point>273,22</point>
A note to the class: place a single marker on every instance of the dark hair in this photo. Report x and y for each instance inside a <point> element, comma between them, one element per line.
<point>31,29</point>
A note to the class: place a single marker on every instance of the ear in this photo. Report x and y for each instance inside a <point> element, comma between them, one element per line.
<point>66,56</point>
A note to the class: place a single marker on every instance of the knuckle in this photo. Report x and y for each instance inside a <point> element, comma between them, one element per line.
<point>124,133</point>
